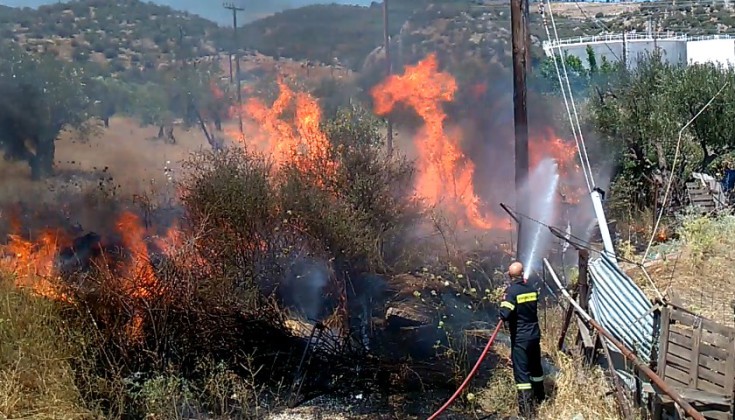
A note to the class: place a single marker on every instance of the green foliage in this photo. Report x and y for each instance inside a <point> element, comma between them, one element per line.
<point>641,113</point>
<point>110,96</point>
<point>231,195</point>
<point>705,236</point>
<point>40,96</point>
<point>115,25</point>
<point>354,126</point>
<point>151,104</point>
<point>714,129</point>
<point>362,213</point>
<point>355,215</point>
<point>581,75</point>
<point>591,60</point>
<point>325,32</point>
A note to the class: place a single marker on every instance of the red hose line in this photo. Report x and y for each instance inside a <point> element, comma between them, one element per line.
<point>470,375</point>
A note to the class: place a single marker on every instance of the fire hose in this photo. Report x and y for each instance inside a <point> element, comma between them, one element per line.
<point>470,375</point>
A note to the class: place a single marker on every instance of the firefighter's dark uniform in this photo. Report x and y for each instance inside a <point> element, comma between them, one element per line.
<point>518,310</point>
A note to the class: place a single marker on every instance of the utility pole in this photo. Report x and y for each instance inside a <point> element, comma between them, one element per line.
<point>389,70</point>
<point>519,33</point>
<point>235,9</point>
<point>526,25</point>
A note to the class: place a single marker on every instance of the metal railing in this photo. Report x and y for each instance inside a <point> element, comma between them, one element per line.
<point>667,36</point>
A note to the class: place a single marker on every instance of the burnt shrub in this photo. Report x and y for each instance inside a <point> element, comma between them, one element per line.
<point>221,288</point>
<point>361,213</point>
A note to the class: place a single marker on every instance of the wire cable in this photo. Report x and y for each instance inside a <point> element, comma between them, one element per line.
<point>566,103</point>
<point>574,106</point>
<point>673,170</point>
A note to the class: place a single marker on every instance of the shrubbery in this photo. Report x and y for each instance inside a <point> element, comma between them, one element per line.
<point>185,322</point>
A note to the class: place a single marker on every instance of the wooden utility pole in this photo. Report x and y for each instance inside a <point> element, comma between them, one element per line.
<point>526,25</point>
<point>389,70</point>
<point>519,32</point>
<point>236,46</point>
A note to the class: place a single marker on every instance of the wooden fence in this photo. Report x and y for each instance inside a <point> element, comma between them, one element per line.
<point>697,358</point>
<point>707,199</point>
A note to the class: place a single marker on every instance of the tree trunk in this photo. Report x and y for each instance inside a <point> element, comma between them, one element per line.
<point>106,120</point>
<point>170,134</point>
<point>42,163</point>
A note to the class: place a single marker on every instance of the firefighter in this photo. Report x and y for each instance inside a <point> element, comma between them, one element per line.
<point>518,310</point>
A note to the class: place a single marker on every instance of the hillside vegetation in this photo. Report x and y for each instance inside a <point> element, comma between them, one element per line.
<point>126,33</point>
<point>132,33</point>
<point>693,19</point>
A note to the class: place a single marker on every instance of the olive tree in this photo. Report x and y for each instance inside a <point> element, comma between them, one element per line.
<point>641,113</point>
<point>39,96</point>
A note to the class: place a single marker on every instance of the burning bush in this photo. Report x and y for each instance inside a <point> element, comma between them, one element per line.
<point>151,303</point>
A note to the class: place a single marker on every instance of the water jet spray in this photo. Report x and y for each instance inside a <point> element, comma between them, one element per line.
<point>540,194</point>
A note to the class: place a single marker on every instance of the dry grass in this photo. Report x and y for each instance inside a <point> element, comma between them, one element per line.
<point>572,390</point>
<point>698,268</point>
<point>585,10</point>
<point>36,380</point>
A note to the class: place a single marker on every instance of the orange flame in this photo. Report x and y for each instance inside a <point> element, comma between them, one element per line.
<point>444,171</point>
<point>139,268</point>
<point>32,263</point>
<point>546,144</point>
<point>301,141</point>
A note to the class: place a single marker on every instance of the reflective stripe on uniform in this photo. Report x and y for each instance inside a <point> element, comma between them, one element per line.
<point>523,387</point>
<point>506,304</point>
<point>527,297</point>
<point>537,378</point>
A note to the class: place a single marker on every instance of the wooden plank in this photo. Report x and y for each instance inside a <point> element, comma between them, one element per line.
<point>707,349</point>
<point>715,415</point>
<point>716,379</point>
<point>708,338</point>
<point>663,346</point>
<point>585,333</point>
<point>715,365</point>
<point>715,339</point>
<point>708,324</point>
<point>675,360</point>
<point>680,351</point>
<point>694,363</point>
<point>403,315</point>
<point>702,397</point>
<point>715,352</point>
<point>710,387</point>
<point>730,375</point>
<point>677,374</point>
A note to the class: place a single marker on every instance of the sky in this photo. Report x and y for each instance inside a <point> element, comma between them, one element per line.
<point>212,9</point>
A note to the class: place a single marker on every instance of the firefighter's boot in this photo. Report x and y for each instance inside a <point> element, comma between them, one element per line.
<point>526,404</point>
<point>539,393</point>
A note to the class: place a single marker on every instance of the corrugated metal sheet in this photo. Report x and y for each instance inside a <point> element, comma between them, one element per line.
<point>621,307</point>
